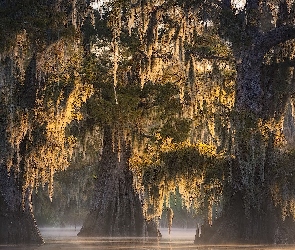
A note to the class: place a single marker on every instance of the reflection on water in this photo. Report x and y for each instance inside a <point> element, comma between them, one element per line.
<point>66,238</point>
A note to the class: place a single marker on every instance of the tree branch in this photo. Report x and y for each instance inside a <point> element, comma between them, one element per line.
<point>274,37</point>
<point>252,4</point>
<point>226,4</point>
<point>283,13</point>
<point>285,63</point>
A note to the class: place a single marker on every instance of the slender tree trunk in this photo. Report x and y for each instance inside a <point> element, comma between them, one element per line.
<point>117,208</point>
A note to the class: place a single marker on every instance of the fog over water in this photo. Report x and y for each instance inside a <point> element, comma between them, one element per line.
<point>66,238</point>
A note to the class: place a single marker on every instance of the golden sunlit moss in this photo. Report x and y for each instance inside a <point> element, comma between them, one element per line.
<point>156,44</point>
<point>41,132</point>
<point>167,166</point>
<point>173,47</point>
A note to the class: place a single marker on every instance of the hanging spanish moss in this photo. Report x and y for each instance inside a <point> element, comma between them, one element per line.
<point>42,92</point>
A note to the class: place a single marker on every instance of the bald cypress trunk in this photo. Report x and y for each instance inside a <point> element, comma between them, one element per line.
<point>250,214</point>
<point>117,208</point>
<point>18,225</point>
<point>17,222</point>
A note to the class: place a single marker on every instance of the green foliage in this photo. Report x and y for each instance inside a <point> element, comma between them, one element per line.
<point>41,21</point>
<point>131,42</point>
<point>137,106</point>
<point>102,29</point>
<point>175,128</point>
<point>185,161</point>
<point>208,45</point>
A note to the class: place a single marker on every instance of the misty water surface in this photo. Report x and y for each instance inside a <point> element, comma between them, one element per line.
<point>66,238</point>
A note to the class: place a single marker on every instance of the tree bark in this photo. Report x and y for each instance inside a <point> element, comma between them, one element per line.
<point>259,222</point>
<point>264,226</point>
<point>117,208</point>
<point>18,225</point>
<point>17,222</point>
<point>250,215</point>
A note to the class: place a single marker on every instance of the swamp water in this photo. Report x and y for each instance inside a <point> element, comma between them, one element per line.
<point>66,239</point>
